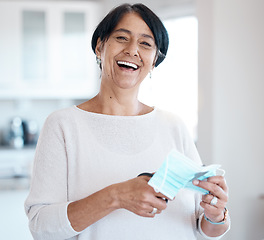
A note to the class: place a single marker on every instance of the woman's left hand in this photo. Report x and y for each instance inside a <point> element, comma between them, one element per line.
<point>218,188</point>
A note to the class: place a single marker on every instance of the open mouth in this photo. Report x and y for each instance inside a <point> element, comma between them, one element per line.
<point>127,65</point>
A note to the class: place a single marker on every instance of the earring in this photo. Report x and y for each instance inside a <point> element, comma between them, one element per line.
<point>98,60</point>
<point>150,74</point>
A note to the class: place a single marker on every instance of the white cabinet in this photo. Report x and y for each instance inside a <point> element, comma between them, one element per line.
<point>15,168</point>
<point>15,164</point>
<point>45,49</point>
<point>13,219</point>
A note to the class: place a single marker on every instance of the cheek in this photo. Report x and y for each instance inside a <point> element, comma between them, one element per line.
<point>150,63</point>
<point>107,58</point>
<point>152,59</point>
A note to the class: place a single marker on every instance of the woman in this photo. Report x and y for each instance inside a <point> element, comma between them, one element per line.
<point>84,183</point>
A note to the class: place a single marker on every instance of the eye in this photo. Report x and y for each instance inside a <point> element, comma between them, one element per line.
<point>121,38</point>
<point>146,45</point>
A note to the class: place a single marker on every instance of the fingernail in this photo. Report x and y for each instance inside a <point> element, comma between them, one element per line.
<point>195,182</point>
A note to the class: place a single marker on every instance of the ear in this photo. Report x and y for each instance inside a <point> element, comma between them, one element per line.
<point>153,65</point>
<point>99,47</point>
<point>155,60</point>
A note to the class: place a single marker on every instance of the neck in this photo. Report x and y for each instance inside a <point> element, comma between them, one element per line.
<point>123,102</point>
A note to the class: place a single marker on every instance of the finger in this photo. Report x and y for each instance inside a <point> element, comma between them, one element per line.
<point>149,212</point>
<point>154,199</point>
<point>213,188</point>
<point>149,215</point>
<point>214,214</point>
<point>220,181</point>
<point>159,212</point>
<point>159,203</point>
<point>207,198</point>
<point>146,210</point>
<point>208,207</point>
<point>161,196</point>
<point>155,211</point>
<point>147,177</point>
<point>211,210</point>
<point>164,199</point>
<point>221,200</point>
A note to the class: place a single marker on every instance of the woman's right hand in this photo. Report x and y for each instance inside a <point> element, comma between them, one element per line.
<point>137,196</point>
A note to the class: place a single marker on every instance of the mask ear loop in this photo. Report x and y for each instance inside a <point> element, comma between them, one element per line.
<point>220,172</point>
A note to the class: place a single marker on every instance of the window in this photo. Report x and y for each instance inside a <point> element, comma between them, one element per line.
<point>34,46</point>
<point>74,62</point>
<point>174,83</point>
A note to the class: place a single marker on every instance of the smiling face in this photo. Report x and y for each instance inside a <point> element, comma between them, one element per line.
<point>129,53</point>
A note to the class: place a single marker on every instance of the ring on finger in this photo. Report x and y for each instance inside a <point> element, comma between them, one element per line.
<point>154,211</point>
<point>214,201</point>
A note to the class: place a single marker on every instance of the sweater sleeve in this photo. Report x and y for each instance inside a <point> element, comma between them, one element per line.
<point>46,205</point>
<point>190,150</point>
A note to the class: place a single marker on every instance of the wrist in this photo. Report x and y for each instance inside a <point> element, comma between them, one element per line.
<point>114,199</point>
<point>222,221</point>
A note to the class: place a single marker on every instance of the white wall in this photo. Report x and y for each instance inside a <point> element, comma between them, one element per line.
<point>164,9</point>
<point>231,116</point>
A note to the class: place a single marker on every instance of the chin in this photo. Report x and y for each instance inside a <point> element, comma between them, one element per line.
<point>128,84</point>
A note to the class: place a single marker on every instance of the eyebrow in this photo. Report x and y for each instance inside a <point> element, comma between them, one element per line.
<point>129,32</point>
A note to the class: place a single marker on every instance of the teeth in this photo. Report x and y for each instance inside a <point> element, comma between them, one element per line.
<point>128,64</point>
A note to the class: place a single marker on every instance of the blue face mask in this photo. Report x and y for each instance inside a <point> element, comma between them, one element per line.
<point>178,171</point>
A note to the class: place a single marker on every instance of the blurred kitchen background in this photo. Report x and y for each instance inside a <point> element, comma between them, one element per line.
<point>213,77</point>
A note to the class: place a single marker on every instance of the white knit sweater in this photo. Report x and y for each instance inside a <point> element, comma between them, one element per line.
<point>79,153</point>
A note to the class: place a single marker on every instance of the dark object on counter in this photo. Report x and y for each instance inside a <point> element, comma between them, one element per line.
<point>30,129</point>
<point>16,133</point>
<point>21,133</point>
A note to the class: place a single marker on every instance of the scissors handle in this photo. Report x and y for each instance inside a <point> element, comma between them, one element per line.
<point>146,174</point>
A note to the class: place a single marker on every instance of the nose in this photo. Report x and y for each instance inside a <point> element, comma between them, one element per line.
<point>132,49</point>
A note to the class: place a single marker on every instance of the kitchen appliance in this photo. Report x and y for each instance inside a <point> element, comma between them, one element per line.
<point>20,133</point>
<point>16,133</point>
